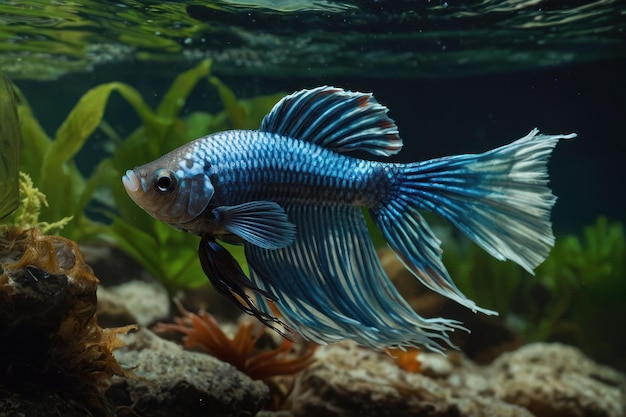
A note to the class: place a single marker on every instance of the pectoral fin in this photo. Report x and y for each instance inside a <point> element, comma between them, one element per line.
<point>261,223</point>
<point>229,280</point>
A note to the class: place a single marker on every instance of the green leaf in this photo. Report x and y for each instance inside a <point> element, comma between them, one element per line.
<point>174,99</point>
<point>85,118</point>
<point>235,111</point>
<point>139,245</point>
<point>198,124</point>
<point>10,141</point>
<point>34,139</point>
<point>245,114</point>
<point>256,108</point>
<point>59,179</point>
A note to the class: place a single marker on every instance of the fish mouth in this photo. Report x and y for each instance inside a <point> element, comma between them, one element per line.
<point>131,182</point>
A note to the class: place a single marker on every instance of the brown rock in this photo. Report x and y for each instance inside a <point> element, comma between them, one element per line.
<point>177,382</point>
<point>52,347</point>
<point>536,380</point>
<point>555,380</point>
<point>133,302</point>
<point>347,380</point>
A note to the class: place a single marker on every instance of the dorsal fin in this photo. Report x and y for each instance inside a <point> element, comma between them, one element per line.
<point>336,119</point>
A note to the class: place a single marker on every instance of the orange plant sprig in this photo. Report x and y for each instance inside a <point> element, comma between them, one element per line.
<point>406,358</point>
<point>242,351</point>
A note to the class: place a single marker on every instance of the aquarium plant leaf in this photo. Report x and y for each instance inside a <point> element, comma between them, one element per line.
<point>583,273</point>
<point>171,260</point>
<point>235,111</point>
<point>179,265</point>
<point>34,138</point>
<point>174,100</point>
<point>245,114</point>
<point>87,115</point>
<point>163,130</point>
<point>256,108</point>
<point>139,244</point>
<point>56,173</point>
<point>159,133</point>
<point>198,123</point>
<point>31,202</point>
<point>10,141</point>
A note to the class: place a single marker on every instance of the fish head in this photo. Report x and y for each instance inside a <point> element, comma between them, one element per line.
<point>172,190</point>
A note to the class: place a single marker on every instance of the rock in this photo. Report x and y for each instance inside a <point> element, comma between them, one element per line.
<point>281,413</point>
<point>172,381</point>
<point>486,407</point>
<point>554,380</point>
<point>136,301</point>
<point>40,404</point>
<point>535,381</point>
<point>347,380</point>
<point>56,359</point>
<point>52,350</point>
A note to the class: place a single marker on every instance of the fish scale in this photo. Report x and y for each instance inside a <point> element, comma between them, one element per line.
<point>294,197</point>
<point>289,171</point>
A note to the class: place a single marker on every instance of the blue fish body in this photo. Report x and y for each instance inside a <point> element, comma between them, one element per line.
<point>253,165</point>
<point>292,194</point>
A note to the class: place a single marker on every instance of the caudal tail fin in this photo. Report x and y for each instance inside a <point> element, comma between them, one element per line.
<point>499,199</point>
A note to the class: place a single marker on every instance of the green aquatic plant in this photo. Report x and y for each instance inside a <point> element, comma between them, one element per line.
<point>585,277</point>
<point>50,164</point>
<point>20,200</point>
<point>10,140</point>
<point>27,213</point>
<point>575,297</point>
<point>167,254</point>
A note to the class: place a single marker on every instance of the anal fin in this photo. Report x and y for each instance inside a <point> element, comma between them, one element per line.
<point>329,284</point>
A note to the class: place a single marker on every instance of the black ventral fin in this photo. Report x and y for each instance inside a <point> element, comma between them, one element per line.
<point>229,280</point>
<point>337,119</point>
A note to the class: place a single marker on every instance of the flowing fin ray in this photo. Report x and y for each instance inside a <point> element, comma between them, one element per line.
<point>329,284</point>
<point>336,119</point>
<point>499,199</point>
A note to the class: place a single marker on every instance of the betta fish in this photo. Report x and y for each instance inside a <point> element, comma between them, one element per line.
<point>294,195</point>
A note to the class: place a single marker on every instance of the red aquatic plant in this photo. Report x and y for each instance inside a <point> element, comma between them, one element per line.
<point>243,350</point>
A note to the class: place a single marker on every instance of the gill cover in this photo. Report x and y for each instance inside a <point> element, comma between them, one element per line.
<point>190,196</point>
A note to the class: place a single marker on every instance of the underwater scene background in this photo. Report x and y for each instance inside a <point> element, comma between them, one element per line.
<point>117,84</point>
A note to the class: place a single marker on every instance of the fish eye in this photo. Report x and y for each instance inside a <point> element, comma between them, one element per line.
<point>165,180</point>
